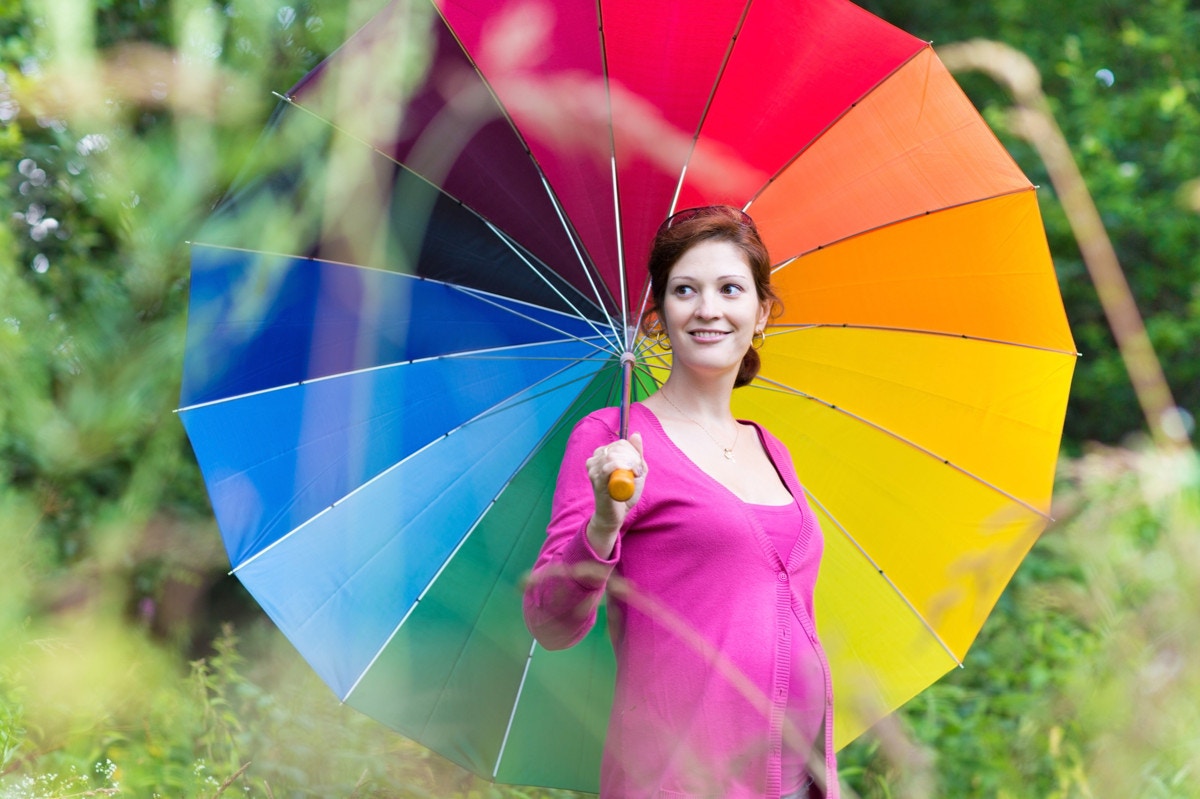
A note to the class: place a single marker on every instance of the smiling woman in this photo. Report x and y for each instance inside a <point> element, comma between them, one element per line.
<point>722,686</point>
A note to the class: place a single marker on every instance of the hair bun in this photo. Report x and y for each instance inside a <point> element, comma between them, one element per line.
<point>751,363</point>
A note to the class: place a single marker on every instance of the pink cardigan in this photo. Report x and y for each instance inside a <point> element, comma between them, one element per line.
<point>704,619</point>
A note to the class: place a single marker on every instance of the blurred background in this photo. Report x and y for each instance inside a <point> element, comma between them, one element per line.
<point>130,662</point>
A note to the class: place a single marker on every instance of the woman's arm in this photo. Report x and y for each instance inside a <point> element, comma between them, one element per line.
<point>583,538</point>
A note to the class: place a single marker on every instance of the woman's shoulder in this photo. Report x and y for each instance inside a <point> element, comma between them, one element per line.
<point>767,436</point>
<point>608,416</point>
<point>603,423</point>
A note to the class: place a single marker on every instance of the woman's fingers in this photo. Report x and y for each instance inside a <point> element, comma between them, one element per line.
<point>618,455</point>
<point>618,470</point>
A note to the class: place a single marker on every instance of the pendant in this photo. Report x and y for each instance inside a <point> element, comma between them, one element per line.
<point>728,453</point>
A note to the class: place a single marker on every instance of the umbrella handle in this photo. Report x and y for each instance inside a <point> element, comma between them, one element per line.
<point>620,485</point>
<point>620,482</point>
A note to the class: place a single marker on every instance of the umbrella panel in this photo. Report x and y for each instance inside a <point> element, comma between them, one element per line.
<point>993,415</point>
<point>538,717</point>
<point>958,272</point>
<point>951,157</point>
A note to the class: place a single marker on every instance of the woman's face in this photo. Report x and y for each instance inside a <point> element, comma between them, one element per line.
<point>712,309</point>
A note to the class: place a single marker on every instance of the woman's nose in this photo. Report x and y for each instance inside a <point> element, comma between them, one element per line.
<point>707,306</point>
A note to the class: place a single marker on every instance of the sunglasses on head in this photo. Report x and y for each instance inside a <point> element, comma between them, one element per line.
<point>726,211</point>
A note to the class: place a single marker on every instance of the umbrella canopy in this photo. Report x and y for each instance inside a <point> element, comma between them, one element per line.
<point>379,395</point>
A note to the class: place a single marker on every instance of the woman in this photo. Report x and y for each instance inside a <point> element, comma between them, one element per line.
<point>722,687</point>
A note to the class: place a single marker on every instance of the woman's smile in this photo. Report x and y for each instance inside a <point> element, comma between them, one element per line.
<point>708,335</point>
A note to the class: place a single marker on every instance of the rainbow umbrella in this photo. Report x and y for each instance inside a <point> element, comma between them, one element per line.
<point>379,398</point>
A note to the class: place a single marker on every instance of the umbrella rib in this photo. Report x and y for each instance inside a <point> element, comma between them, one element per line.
<point>396,630</point>
<point>516,704</point>
<point>490,411</point>
<point>516,250</point>
<point>566,336</point>
<point>618,230</point>
<point>504,405</point>
<point>580,315</point>
<point>708,105</point>
<point>479,354</point>
<point>584,263</point>
<point>777,386</point>
<point>641,312</point>
<point>449,558</point>
<point>660,366</point>
<point>646,354</point>
<point>622,277</point>
<point>524,674</point>
<point>807,145</point>
<point>644,345</point>
<point>446,562</point>
<point>789,261</point>
<point>553,429</point>
<point>642,377</point>
<point>501,407</point>
<point>796,328</point>
<point>884,575</point>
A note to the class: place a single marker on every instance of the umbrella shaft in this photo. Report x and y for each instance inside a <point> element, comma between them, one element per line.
<point>626,390</point>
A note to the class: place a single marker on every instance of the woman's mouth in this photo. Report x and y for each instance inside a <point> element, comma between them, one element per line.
<point>707,335</point>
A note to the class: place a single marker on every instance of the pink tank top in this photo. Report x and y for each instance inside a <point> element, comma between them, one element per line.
<point>806,701</point>
<point>782,524</point>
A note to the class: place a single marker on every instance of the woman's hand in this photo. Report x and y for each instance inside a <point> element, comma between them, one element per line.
<point>609,514</point>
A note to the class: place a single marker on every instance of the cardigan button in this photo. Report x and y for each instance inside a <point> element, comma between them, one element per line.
<point>781,576</point>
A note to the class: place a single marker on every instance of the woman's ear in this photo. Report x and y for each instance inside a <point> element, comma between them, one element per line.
<point>764,314</point>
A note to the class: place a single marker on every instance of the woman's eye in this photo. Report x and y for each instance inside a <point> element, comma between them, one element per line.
<point>683,290</point>
<point>732,288</point>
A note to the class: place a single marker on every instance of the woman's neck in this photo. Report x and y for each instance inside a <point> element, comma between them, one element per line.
<point>698,399</point>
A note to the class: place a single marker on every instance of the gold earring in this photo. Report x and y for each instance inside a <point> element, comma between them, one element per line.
<point>760,337</point>
<point>658,331</point>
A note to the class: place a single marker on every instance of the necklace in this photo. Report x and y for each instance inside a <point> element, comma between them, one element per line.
<point>728,451</point>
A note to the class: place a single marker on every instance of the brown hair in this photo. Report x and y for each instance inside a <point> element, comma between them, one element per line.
<point>685,230</point>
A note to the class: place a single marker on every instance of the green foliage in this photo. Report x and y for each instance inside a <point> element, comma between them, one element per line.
<point>111,159</point>
<point>229,727</point>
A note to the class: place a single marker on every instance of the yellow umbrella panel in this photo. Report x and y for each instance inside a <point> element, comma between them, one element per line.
<point>919,377</point>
